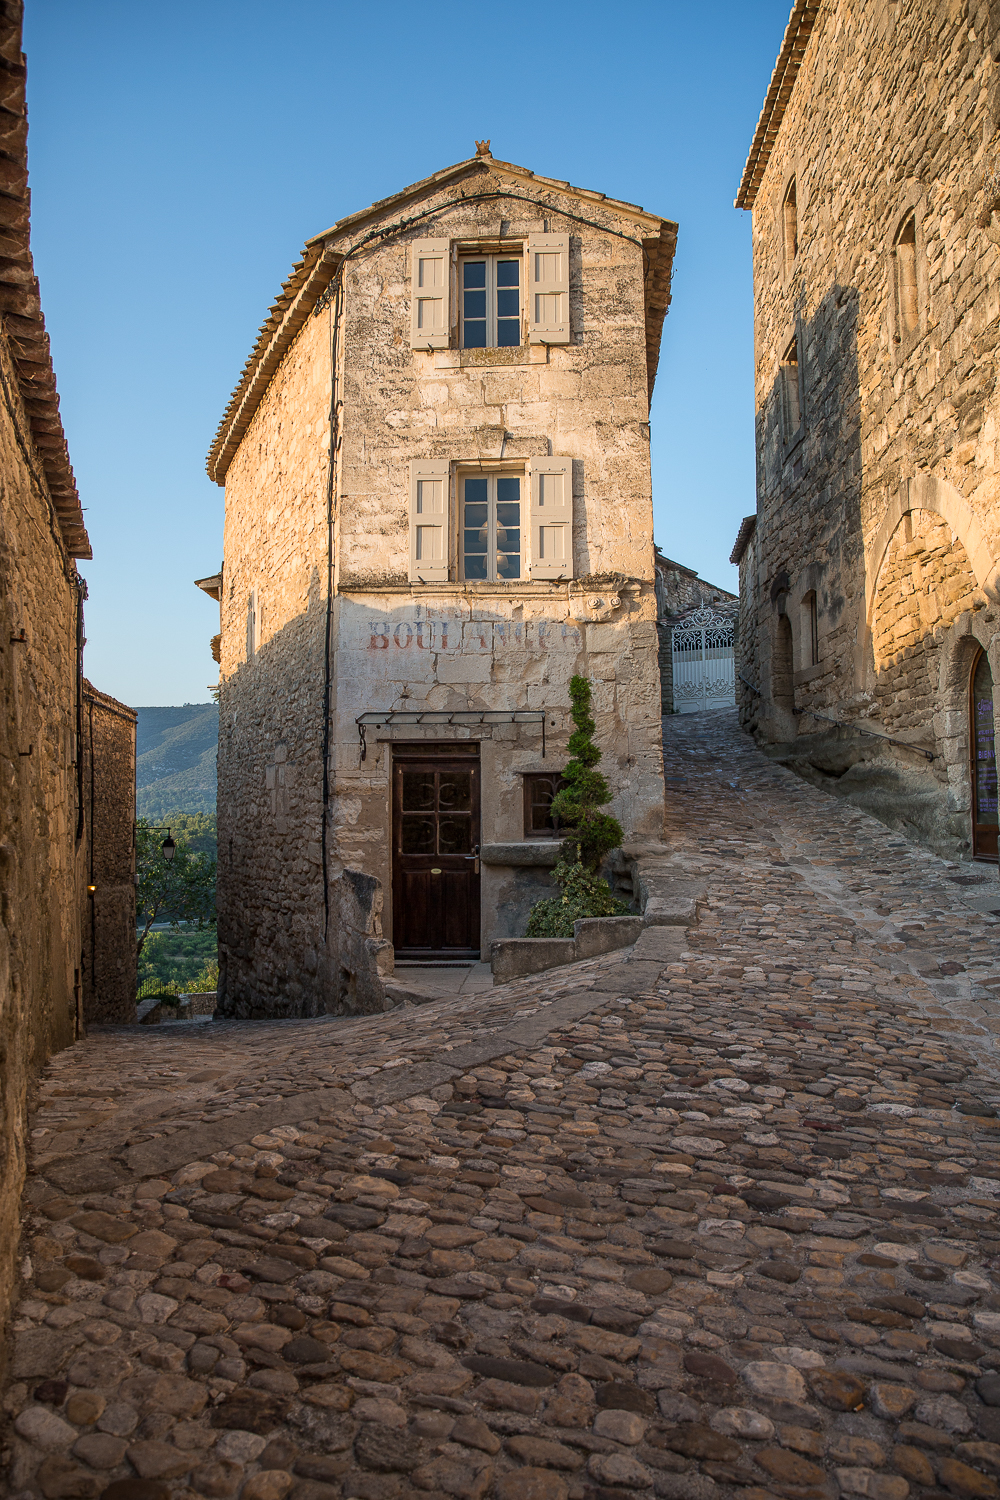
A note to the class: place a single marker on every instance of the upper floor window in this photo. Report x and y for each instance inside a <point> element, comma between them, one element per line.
<point>471,526</point>
<point>491,527</point>
<point>791,399</point>
<point>904,272</point>
<point>491,302</point>
<point>790,227</point>
<point>505,292</point>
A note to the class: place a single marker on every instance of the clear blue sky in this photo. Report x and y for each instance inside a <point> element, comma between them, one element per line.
<point>181,154</point>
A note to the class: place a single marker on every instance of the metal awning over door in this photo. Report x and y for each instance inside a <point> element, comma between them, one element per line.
<point>703,660</point>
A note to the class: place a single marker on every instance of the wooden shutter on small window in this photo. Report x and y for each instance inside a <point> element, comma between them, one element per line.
<point>429,487</point>
<point>430,284</point>
<point>551,517</point>
<point>548,289</point>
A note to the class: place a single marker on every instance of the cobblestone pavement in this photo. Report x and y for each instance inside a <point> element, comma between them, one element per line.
<point>716,1216</point>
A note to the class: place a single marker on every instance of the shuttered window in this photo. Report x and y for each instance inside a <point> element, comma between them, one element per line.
<point>491,530</point>
<point>430,321</point>
<point>548,289</point>
<point>429,508</point>
<point>491,301</point>
<point>551,517</point>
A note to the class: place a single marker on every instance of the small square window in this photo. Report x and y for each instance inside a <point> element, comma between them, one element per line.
<point>491,301</point>
<point>539,790</point>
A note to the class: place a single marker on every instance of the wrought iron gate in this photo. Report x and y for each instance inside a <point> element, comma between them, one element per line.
<point>704,669</point>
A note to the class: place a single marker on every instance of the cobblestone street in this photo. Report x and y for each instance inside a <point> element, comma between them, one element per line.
<point>713,1215</point>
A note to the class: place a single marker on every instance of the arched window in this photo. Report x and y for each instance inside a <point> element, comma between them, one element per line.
<point>782,665</point>
<point>810,628</point>
<point>982,743</point>
<point>904,271</point>
<point>791,401</point>
<point>790,227</point>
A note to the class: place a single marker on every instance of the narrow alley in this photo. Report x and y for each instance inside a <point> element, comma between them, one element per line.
<point>713,1215</point>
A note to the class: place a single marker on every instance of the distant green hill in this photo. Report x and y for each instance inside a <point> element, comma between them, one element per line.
<point>175,759</point>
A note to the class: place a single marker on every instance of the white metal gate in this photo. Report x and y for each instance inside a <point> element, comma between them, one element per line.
<point>704,667</point>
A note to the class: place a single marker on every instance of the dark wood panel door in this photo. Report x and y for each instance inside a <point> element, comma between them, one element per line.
<point>984,761</point>
<point>435,855</point>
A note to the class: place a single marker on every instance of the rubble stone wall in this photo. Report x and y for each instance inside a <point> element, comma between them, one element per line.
<point>448,646</point>
<point>41,848</point>
<point>109,955</point>
<point>890,132</point>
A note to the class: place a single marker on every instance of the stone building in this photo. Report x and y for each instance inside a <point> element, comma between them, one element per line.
<point>108,965</point>
<point>869,572</point>
<point>42,814</point>
<point>399,625</point>
<point>680,593</point>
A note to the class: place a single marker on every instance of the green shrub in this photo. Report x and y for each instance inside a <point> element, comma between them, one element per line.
<point>583,895</point>
<point>591,834</point>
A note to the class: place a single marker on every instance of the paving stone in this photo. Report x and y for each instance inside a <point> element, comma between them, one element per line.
<point>728,1198</point>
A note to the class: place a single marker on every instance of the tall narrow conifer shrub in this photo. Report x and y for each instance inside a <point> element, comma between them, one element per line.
<point>590,833</point>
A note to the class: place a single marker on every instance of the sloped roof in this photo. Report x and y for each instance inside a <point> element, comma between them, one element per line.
<point>786,70</point>
<point>20,307</point>
<point>322,256</point>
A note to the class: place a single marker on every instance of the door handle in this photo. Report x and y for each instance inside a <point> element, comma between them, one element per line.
<point>474,855</point>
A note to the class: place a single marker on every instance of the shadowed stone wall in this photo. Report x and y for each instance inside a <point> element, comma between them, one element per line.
<point>877,316</point>
<point>109,956</point>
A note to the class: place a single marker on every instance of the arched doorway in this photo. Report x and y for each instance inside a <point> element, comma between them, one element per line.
<point>984,760</point>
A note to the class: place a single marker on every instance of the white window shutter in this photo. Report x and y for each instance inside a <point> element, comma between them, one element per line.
<point>548,289</point>
<point>429,509</point>
<point>551,517</point>
<point>430,285</point>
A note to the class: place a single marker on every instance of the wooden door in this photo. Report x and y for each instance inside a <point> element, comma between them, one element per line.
<point>984,761</point>
<point>435,852</point>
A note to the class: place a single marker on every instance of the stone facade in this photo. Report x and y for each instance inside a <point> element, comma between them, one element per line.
<point>108,928</point>
<point>869,585</point>
<point>325,616</point>
<point>42,851</point>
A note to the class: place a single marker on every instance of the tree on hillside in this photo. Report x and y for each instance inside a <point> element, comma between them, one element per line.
<point>177,890</point>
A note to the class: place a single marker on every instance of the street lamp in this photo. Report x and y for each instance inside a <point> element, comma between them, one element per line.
<point>168,848</point>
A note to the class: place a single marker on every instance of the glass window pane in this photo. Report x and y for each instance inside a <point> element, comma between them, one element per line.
<point>455,792</point>
<point>475,567</point>
<point>508,514</point>
<point>474,542</point>
<point>474,335</point>
<point>508,565</point>
<point>476,490</point>
<point>454,835</point>
<point>418,835</point>
<point>474,273</point>
<point>508,333</point>
<point>508,304</point>
<point>418,790</point>
<point>508,487</point>
<point>474,305</point>
<point>508,273</point>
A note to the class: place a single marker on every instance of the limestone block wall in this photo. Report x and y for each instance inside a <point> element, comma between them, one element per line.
<point>108,916</point>
<point>877,313</point>
<point>41,848</point>
<point>321,624</point>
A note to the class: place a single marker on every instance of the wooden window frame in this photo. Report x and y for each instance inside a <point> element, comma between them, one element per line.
<point>491,476</point>
<point>527,778</point>
<point>491,256</point>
